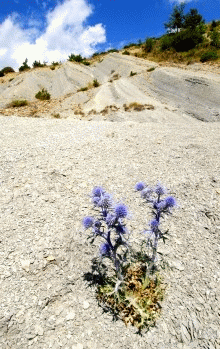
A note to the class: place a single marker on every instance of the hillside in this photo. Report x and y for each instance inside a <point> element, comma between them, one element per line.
<point>153,91</point>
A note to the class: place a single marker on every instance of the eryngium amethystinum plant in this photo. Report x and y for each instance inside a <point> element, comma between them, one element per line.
<point>160,208</point>
<point>134,291</point>
<point>111,228</point>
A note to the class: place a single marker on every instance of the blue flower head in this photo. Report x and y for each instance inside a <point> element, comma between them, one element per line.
<point>88,222</point>
<point>159,189</point>
<point>97,191</point>
<point>140,186</point>
<point>146,192</point>
<point>105,249</point>
<point>154,224</point>
<point>159,206</point>
<point>110,219</point>
<point>105,201</point>
<point>170,201</point>
<point>121,211</point>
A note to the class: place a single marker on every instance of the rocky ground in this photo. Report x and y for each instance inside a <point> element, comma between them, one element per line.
<point>48,168</point>
<point>49,165</point>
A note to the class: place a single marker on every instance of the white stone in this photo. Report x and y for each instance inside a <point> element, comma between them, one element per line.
<point>25,264</point>
<point>70,316</point>
<point>86,305</point>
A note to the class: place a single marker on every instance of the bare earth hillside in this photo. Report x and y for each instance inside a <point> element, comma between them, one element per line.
<point>49,165</point>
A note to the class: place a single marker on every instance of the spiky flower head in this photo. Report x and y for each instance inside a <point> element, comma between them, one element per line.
<point>154,224</point>
<point>105,249</point>
<point>88,222</point>
<point>140,186</point>
<point>110,219</point>
<point>121,211</point>
<point>159,189</point>
<point>146,192</point>
<point>105,201</point>
<point>160,206</point>
<point>97,191</point>
<point>170,201</point>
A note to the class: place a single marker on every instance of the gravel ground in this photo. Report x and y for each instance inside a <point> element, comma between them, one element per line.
<point>48,167</point>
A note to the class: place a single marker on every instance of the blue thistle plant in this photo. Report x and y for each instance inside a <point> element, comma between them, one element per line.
<point>161,207</point>
<point>108,223</point>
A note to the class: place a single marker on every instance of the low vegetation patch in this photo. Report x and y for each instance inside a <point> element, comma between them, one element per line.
<point>18,103</point>
<point>151,69</point>
<point>132,73</point>
<point>57,115</point>
<point>126,52</point>
<point>96,83</point>
<point>137,106</point>
<point>7,70</point>
<point>208,56</point>
<point>24,66</point>
<point>43,95</point>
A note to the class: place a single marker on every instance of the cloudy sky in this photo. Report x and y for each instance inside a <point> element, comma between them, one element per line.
<point>50,30</point>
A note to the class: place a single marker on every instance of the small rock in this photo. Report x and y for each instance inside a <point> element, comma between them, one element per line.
<point>86,305</point>
<point>78,346</point>
<point>70,316</point>
<point>39,330</point>
<point>177,265</point>
<point>25,264</point>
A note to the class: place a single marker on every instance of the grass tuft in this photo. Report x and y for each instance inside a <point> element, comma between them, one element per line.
<point>18,103</point>
<point>43,95</point>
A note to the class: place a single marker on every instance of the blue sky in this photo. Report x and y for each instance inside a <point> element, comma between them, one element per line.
<point>50,30</point>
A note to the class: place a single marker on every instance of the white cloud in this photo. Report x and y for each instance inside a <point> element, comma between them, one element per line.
<point>65,33</point>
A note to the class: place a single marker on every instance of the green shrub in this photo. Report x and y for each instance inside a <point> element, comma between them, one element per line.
<point>24,66</point>
<point>1,74</point>
<point>126,52</point>
<point>7,70</point>
<point>18,103</point>
<point>37,64</point>
<point>215,38</point>
<point>129,45</point>
<point>166,42</point>
<point>187,40</point>
<point>149,43</point>
<point>95,83</point>
<point>208,56</point>
<point>75,58</point>
<point>132,73</point>
<point>213,25</point>
<point>52,68</point>
<point>86,63</point>
<point>57,116</point>
<point>151,69</point>
<point>112,50</point>
<point>55,63</point>
<point>83,89</point>
<point>43,95</point>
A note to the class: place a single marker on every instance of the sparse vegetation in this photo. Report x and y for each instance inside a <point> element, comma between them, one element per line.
<point>149,43</point>
<point>38,64</point>
<point>7,70</point>
<point>215,38</point>
<point>57,115</point>
<point>86,63</point>
<point>112,50</point>
<point>1,74</point>
<point>75,58</point>
<point>137,106</point>
<point>95,83</point>
<point>132,73</point>
<point>24,66</point>
<point>52,68</point>
<point>207,56</point>
<point>18,103</point>
<point>126,52</point>
<point>43,95</point>
<point>83,89</point>
<point>151,69</point>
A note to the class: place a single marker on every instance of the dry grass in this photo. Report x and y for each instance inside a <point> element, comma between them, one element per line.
<point>138,301</point>
<point>18,103</point>
<point>137,106</point>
